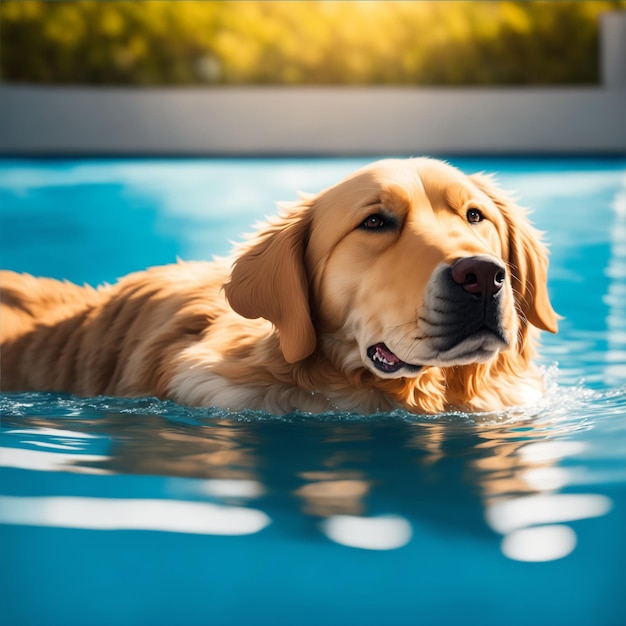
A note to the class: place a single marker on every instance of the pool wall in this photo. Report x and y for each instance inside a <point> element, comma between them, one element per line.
<point>287,121</point>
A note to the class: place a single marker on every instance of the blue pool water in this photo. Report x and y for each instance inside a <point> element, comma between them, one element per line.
<point>118,511</point>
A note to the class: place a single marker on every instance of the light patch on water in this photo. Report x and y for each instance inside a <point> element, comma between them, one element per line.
<point>47,461</point>
<point>553,478</point>
<point>533,527</point>
<point>509,515</point>
<point>230,488</point>
<point>539,544</point>
<point>132,514</point>
<point>53,446</point>
<point>52,432</point>
<point>541,451</point>
<point>548,478</point>
<point>384,532</point>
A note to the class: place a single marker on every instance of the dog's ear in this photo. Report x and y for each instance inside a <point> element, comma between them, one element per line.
<point>269,279</point>
<point>527,258</point>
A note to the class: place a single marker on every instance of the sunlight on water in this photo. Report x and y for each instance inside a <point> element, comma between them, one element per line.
<point>371,533</point>
<point>539,543</point>
<point>131,514</point>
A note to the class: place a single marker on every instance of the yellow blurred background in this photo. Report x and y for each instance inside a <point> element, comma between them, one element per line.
<point>300,43</point>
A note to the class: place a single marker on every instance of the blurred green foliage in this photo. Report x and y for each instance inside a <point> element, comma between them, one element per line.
<point>300,43</point>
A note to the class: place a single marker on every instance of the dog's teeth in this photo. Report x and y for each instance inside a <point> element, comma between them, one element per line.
<point>381,359</point>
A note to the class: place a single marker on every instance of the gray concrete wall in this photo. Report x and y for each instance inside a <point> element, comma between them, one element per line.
<point>323,121</point>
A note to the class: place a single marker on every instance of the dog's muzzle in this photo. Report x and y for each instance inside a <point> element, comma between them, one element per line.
<point>471,301</point>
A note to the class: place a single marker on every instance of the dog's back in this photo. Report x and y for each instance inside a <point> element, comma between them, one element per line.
<point>26,301</point>
<point>37,316</point>
<point>58,336</point>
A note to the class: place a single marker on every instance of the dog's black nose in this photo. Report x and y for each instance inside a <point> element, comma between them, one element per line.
<point>480,275</point>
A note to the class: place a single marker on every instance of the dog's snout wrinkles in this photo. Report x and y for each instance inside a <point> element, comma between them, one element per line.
<point>478,275</point>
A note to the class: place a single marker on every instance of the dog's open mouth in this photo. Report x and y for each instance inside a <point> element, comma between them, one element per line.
<point>386,361</point>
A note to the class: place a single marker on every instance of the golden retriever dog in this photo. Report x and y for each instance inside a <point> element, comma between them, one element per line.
<point>407,285</point>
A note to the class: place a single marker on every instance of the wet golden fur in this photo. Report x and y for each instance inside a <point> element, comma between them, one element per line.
<point>286,325</point>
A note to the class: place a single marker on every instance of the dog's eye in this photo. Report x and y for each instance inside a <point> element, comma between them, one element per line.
<point>474,216</point>
<point>373,222</point>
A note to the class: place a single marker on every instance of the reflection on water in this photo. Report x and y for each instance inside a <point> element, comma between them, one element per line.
<point>520,478</point>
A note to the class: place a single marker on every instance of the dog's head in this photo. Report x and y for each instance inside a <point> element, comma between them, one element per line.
<point>403,265</point>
